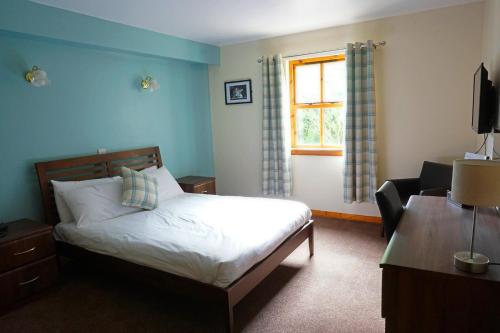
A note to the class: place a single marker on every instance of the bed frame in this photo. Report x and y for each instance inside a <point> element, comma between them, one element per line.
<point>108,165</point>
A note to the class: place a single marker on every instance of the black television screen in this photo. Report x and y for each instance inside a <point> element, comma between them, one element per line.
<point>481,105</point>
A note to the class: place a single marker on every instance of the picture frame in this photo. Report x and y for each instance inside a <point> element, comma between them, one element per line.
<point>238,92</point>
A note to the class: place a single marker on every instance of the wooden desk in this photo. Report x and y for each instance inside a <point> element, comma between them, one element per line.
<point>422,291</point>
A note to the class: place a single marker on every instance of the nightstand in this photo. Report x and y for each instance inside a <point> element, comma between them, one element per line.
<point>28,262</point>
<point>195,184</point>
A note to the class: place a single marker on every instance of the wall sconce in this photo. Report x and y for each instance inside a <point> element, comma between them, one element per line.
<point>37,77</point>
<point>150,84</point>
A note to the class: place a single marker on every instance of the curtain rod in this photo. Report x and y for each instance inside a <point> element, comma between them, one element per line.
<point>381,43</point>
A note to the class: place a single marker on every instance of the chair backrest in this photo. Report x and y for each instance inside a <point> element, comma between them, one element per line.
<point>435,175</point>
<point>390,207</point>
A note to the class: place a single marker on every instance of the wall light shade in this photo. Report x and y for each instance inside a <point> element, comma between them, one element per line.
<point>148,83</point>
<point>37,77</point>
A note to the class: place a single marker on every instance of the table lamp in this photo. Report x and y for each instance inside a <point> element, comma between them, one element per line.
<point>475,183</point>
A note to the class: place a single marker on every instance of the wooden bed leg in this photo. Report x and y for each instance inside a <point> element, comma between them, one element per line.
<point>228,316</point>
<point>311,242</point>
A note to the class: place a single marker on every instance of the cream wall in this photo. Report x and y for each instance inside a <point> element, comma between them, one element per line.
<point>491,39</point>
<point>424,98</point>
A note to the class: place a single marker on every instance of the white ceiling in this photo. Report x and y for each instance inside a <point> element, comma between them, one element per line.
<point>221,22</point>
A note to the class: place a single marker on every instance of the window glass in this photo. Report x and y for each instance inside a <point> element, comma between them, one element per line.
<point>334,81</point>
<point>308,126</point>
<point>308,84</point>
<point>333,126</point>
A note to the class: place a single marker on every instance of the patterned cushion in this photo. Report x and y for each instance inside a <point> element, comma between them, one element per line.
<point>139,190</point>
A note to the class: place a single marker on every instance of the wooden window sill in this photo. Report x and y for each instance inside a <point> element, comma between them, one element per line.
<point>317,152</point>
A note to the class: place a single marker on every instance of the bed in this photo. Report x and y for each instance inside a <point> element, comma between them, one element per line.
<point>213,248</point>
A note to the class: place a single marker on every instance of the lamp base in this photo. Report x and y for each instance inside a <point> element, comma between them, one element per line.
<point>477,264</point>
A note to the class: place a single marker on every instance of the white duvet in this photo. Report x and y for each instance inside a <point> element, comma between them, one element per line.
<point>210,238</point>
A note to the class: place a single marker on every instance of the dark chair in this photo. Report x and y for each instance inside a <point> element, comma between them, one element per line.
<point>434,180</point>
<point>390,206</point>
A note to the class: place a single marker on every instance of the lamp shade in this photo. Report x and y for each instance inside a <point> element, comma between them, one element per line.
<point>37,77</point>
<point>476,182</point>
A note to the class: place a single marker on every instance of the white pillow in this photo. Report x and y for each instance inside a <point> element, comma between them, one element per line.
<point>167,185</point>
<point>63,186</point>
<point>147,170</point>
<point>96,203</point>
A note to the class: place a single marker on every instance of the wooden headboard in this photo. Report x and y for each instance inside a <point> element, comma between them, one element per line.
<point>89,167</point>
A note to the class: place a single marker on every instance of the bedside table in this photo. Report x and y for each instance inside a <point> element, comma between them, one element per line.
<point>195,184</point>
<point>28,262</point>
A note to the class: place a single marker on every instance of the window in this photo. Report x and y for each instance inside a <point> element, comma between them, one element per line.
<point>317,95</point>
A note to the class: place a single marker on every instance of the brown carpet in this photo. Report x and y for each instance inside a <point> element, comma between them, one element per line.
<point>338,290</point>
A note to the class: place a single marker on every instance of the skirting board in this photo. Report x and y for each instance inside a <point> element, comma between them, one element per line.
<point>345,216</point>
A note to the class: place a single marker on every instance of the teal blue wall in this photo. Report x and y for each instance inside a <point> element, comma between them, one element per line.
<point>30,18</point>
<point>94,101</point>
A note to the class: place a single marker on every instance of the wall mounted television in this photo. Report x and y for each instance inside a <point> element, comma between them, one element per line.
<point>483,114</point>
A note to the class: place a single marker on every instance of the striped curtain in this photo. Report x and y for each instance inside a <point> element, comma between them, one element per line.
<point>360,168</point>
<point>276,173</point>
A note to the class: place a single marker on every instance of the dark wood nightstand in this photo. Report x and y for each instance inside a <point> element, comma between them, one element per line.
<point>28,262</point>
<point>195,184</point>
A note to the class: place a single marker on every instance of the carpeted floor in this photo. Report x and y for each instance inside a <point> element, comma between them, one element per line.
<point>338,290</point>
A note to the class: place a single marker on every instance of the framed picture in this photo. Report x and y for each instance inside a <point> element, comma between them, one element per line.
<point>238,92</point>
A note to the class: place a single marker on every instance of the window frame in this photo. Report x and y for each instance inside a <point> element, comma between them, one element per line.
<point>320,150</point>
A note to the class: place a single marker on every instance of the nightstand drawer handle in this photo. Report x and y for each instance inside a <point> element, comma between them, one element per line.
<point>24,252</point>
<point>29,281</point>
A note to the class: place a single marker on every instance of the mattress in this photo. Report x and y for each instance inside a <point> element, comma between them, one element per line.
<point>209,238</point>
